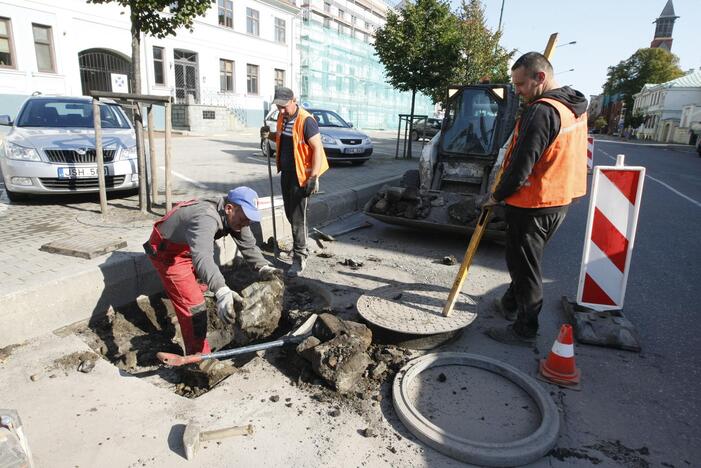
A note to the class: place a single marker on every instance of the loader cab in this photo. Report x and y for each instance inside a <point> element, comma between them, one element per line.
<point>478,120</point>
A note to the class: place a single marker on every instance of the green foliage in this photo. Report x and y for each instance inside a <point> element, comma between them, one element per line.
<point>151,17</point>
<point>481,55</point>
<point>419,46</point>
<point>644,66</point>
<point>636,120</point>
<point>600,122</point>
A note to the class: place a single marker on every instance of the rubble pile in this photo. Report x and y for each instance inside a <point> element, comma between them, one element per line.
<point>403,202</point>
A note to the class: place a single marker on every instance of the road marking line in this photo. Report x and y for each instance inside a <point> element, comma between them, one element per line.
<point>185,178</point>
<point>672,189</point>
<point>4,201</point>
<point>678,145</point>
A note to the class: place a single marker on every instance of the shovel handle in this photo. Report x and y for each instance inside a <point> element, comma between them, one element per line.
<point>227,432</point>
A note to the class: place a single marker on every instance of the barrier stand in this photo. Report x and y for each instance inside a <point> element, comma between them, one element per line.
<point>610,234</point>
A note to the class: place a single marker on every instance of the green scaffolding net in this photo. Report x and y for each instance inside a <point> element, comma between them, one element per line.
<point>340,72</point>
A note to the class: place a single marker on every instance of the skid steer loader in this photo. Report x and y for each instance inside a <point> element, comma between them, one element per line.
<point>457,166</point>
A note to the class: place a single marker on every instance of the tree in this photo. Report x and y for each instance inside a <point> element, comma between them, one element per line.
<point>419,47</point>
<point>150,17</point>
<point>600,123</point>
<point>643,67</point>
<point>481,56</point>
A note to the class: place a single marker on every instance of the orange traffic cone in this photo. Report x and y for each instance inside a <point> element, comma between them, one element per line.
<point>560,368</point>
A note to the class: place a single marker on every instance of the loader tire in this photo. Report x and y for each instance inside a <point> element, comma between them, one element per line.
<point>410,179</point>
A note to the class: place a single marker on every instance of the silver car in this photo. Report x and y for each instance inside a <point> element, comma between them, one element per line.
<point>50,148</point>
<point>342,142</point>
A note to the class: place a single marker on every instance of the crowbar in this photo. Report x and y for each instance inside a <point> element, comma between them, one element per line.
<point>299,335</point>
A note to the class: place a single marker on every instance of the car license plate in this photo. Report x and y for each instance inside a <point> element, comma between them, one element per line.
<point>355,150</point>
<point>78,172</point>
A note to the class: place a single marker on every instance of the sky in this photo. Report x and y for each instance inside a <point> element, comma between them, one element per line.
<point>606,31</point>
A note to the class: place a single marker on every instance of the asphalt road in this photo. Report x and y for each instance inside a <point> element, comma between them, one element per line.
<point>634,409</point>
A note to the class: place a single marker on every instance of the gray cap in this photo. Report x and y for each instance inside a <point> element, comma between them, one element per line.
<point>282,96</point>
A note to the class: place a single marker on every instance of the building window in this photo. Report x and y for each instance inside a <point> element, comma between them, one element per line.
<point>226,75</point>
<point>159,75</point>
<point>327,7</point>
<point>327,23</point>
<point>279,78</point>
<point>341,13</point>
<point>280,28</point>
<point>226,13</point>
<point>209,115</point>
<point>252,79</point>
<point>6,47</point>
<point>353,19</point>
<point>252,22</point>
<point>43,45</point>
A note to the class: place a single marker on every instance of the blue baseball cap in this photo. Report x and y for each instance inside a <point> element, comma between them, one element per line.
<point>247,199</point>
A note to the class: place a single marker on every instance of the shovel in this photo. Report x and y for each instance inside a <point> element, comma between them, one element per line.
<point>297,336</point>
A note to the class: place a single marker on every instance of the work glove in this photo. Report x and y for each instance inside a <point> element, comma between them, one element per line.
<point>264,131</point>
<point>312,186</point>
<point>268,272</point>
<point>228,302</point>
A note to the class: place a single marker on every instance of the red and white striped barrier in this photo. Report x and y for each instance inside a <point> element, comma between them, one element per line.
<point>613,216</point>
<point>590,153</point>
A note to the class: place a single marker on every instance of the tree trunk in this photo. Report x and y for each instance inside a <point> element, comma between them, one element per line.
<point>138,117</point>
<point>411,123</point>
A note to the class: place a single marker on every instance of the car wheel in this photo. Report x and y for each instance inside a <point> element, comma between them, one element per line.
<point>14,196</point>
<point>358,163</point>
<point>415,135</point>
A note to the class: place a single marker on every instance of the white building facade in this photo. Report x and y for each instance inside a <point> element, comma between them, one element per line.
<point>235,56</point>
<point>662,106</point>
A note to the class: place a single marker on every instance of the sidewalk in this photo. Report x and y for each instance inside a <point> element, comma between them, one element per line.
<point>40,291</point>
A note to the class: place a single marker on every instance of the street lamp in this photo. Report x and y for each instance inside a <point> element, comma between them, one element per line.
<point>566,71</point>
<point>566,44</point>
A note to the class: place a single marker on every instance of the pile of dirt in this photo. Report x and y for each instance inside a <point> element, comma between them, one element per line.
<point>402,202</point>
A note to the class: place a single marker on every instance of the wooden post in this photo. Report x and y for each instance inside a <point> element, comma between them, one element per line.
<point>152,158</point>
<point>99,156</point>
<point>169,200</point>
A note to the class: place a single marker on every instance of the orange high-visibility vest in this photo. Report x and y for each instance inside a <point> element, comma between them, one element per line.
<point>561,172</point>
<point>303,153</point>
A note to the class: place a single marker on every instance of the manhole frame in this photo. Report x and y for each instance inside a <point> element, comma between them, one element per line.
<point>515,453</point>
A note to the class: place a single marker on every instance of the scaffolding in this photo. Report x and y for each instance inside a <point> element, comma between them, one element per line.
<point>342,73</point>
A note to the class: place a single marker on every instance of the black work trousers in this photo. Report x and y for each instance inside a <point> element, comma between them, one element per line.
<point>295,199</point>
<point>526,236</point>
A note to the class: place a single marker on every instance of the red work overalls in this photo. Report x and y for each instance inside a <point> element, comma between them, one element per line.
<point>173,262</point>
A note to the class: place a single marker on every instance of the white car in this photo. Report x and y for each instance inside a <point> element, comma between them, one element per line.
<point>50,148</point>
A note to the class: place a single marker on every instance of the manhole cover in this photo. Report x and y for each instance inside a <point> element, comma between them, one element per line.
<point>415,309</point>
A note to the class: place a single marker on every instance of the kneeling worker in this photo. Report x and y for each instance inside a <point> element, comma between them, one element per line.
<point>181,248</point>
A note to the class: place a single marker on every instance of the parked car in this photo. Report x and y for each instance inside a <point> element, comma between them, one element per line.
<point>425,128</point>
<point>50,148</point>
<point>342,142</point>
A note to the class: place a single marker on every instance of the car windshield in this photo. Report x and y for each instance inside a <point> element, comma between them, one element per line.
<point>68,113</point>
<point>329,119</point>
<point>472,121</point>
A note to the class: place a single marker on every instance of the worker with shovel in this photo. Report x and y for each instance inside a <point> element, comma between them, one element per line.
<point>301,159</point>
<point>181,248</point>
<point>545,168</point>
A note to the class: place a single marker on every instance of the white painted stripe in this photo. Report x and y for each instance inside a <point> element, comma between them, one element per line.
<point>669,187</point>
<point>264,202</point>
<point>614,205</point>
<point>604,272</point>
<point>563,350</point>
<point>4,202</point>
<point>574,127</point>
<point>185,178</point>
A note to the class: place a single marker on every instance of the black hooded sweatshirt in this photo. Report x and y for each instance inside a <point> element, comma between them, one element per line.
<point>540,124</point>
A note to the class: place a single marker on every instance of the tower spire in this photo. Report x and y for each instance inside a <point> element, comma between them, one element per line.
<point>664,27</point>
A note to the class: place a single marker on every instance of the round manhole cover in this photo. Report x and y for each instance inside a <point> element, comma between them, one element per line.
<point>415,309</point>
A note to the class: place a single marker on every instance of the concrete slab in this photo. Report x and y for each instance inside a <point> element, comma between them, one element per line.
<point>84,246</point>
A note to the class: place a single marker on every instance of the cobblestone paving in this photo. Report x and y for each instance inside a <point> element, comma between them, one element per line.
<point>202,166</point>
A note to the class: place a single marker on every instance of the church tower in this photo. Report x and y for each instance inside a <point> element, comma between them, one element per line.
<point>663,30</point>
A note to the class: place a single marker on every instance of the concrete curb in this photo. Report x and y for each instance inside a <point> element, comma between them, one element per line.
<point>78,295</point>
